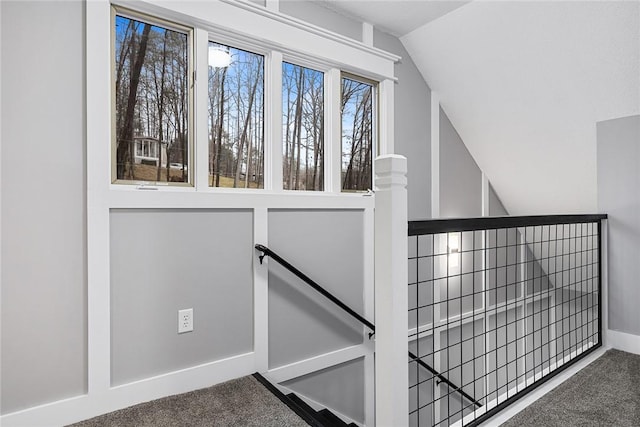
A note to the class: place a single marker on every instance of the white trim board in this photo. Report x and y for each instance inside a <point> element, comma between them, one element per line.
<point>243,19</point>
<point>316,363</point>
<point>623,341</point>
<point>435,154</point>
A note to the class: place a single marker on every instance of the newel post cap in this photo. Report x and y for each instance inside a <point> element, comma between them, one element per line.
<point>391,164</point>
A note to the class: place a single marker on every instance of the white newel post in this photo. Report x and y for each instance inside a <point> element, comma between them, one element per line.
<point>391,299</point>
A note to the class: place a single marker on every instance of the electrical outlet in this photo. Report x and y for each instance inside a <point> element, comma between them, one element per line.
<point>185,320</point>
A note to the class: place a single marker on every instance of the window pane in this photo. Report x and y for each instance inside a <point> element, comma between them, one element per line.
<point>236,117</point>
<point>302,128</point>
<point>357,135</point>
<point>151,102</point>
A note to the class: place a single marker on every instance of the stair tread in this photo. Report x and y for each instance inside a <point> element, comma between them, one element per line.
<point>301,403</point>
<point>332,418</point>
<point>324,421</point>
<point>308,410</point>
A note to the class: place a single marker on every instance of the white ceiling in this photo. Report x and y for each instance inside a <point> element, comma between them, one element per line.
<point>524,83</point>
<point>397,17</point>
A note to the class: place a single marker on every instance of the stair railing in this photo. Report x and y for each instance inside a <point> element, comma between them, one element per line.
<point>265,251</point>
<point>527,289</point>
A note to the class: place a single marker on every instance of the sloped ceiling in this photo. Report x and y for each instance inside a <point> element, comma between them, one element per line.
<point>524,83</point>
<point>397,17</point>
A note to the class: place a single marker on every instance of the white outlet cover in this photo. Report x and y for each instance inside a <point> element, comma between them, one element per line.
<point>185,320</point>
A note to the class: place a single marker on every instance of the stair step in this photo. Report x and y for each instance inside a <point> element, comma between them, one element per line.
<point>311,414</point>
<point>332,418</point>
<point>303,410</point>
<point>301,403</point>
<point>325,422</point>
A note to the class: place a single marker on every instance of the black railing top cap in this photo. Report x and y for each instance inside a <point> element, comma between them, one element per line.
<point>433,226</point>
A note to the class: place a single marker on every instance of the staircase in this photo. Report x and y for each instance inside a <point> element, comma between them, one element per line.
<point>321,418</point>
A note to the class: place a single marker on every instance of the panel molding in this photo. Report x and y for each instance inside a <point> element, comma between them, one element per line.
<point>243,21</point>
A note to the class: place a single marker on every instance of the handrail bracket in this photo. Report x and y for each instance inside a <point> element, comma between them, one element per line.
<point>263,252</point>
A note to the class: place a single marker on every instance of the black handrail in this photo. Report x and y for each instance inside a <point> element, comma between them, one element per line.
<point>444,379</point>
<point>268,252</point>
<point>432,226</point>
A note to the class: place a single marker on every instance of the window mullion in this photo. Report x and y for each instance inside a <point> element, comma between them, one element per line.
<point>273,122</point>
<point>333,131</point>
<point>201,90</point>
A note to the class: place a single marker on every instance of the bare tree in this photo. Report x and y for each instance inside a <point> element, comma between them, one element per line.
<point>220,126</point>
<point>159,87</point>
<point>245,128</point>
<point>124,154</point>
<point>357,116</point>
<point>288,85</point>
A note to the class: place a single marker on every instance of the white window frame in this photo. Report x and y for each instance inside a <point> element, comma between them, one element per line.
<point>348,58</point>
<point>375,143</point>
<point>325,70</point>
<point>203,92</point>
<point>133,14</point>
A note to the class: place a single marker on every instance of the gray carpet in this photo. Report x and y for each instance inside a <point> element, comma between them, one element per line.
<point>605,393</point>
<point>241,402</point>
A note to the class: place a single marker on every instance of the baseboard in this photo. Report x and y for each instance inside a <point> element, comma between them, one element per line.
<point>69,411</point>
<point>623,341</point>
<point>545,388</point>
<point>521,385</point>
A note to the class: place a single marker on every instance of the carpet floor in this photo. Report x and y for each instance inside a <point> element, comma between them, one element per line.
<point>240,402</point>
<point>605,393</point>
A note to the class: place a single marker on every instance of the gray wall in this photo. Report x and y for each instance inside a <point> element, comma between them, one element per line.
<point>412,126</point>
<point>618,196</point>
<point>327,245</point>
<point>340,387</point>
<point>44,328</point>
<point>496,208</point>
<point>460,176</point>
<point>166,260</point>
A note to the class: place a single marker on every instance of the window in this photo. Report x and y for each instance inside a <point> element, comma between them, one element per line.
<point>358,133</point>
<point>236,117</point>
<point>152,100</point>
<point>302,128</point>
<point>153,127</point>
